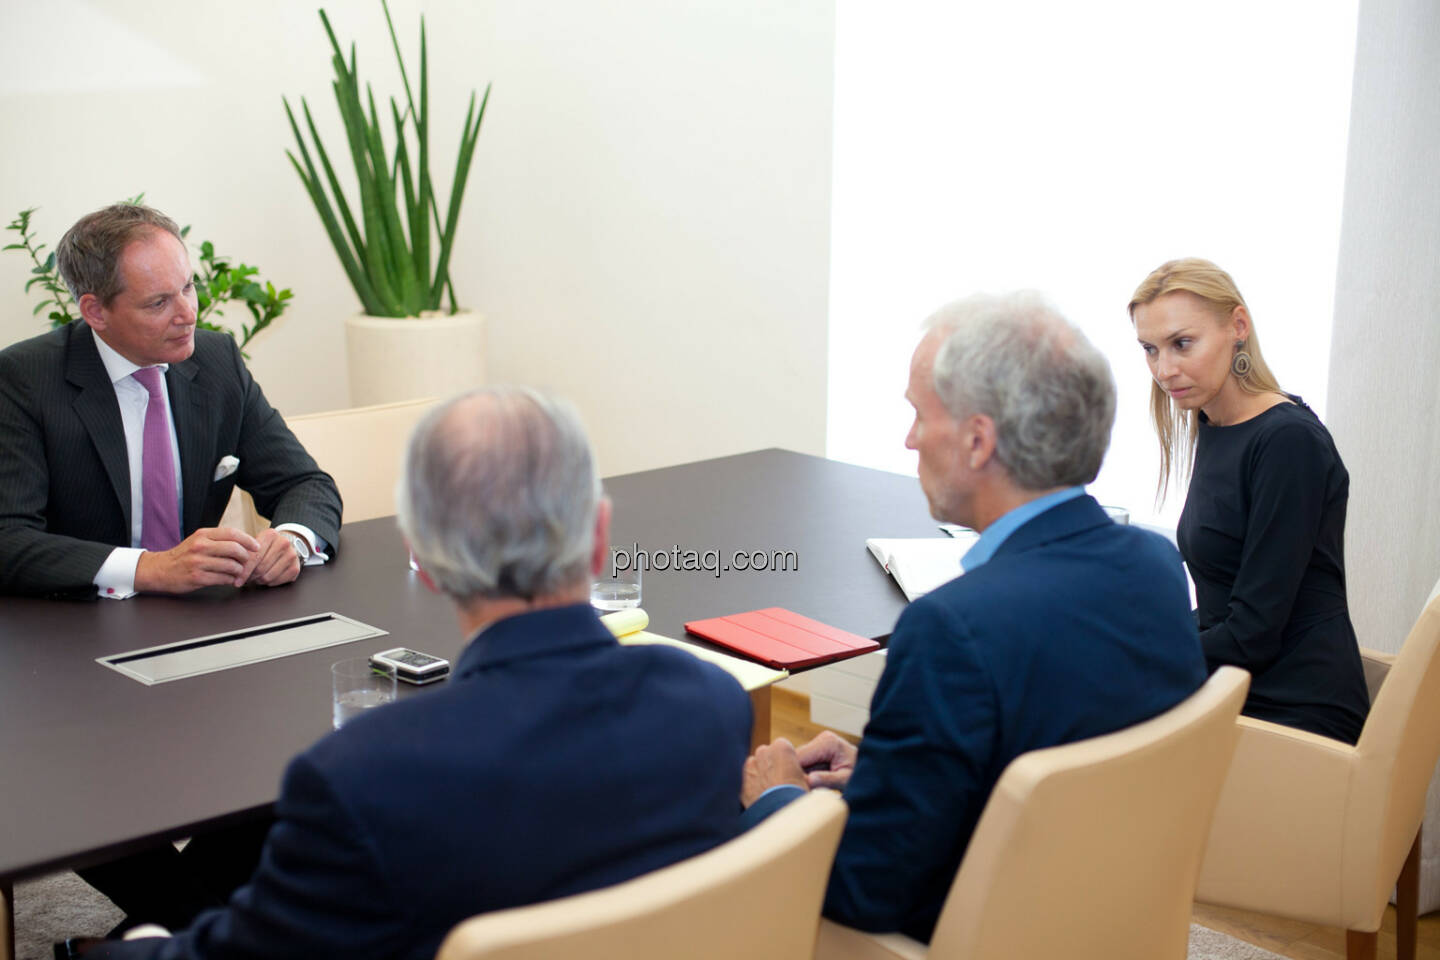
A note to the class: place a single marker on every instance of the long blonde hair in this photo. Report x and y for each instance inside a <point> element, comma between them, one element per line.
<point>1176,428</point>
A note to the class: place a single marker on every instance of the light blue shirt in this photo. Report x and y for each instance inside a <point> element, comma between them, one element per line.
<point>999,531</point>
<point>990,541</point>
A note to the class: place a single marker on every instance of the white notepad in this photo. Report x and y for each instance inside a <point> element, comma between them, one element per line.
<point>921,564</point>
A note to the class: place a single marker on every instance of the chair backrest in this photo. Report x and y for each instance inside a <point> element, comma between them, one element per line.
<point>362,449</point>
<point>1092,849</point>
<point>1394,760</point>
<point>1376,664</point>
<point>754,898</point>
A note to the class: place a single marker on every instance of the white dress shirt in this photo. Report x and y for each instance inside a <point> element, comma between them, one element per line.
<point>116,577</point>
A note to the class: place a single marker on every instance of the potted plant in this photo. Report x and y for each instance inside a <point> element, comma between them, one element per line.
<point>217,281</point>
<point>405,344</point>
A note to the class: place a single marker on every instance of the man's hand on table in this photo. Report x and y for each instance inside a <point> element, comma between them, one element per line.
<point>772,765</point>
<point>218,555</point>
<point>208,557</point>
<point>279,562</point>
<point>828,760</point>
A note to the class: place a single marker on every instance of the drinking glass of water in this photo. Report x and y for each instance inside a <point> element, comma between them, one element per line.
<point>618,586</point>
<point>360,685</point>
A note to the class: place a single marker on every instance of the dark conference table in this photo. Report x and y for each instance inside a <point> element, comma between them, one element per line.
<point>97,764</point>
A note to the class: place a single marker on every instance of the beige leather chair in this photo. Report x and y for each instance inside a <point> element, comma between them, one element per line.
<point>1377,665</point>
<point>361,448</point>
<point>1086,851</point>
<point>1316,830</point>
<point>754,898</point>
<point>1410,889</point>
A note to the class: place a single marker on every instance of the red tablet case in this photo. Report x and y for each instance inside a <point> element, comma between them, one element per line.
<point>779,638</point>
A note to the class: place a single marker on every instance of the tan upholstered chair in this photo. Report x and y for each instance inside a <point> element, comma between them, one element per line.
<point>1313,829</point>
<point>1377,665</point>
<point>361,448</point>
<point>754,898</point>
<point>1086,851</point>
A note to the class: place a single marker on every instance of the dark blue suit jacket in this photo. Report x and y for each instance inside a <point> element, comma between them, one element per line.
<point>1076,627</point>
<point>554,761</point>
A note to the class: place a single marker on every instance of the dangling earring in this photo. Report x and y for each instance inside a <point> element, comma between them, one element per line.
<point>1240,364</point>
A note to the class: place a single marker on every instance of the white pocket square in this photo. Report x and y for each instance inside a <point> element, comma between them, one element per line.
<point>225,467</point>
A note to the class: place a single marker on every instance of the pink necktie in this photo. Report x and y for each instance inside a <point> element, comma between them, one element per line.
<point>160,522</point>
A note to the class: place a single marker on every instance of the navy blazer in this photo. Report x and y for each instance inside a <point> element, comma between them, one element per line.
<point>554,761</point>
<point>65,476</point>
<point>1076,627</point>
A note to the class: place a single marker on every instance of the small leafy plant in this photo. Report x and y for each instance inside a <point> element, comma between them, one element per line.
<point>217,281</point>
<point>44,273</point>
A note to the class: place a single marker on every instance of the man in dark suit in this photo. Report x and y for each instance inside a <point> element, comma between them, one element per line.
<point>554,760</point>
<point>1063,626</point>
<point>103,490</point>
<point>121,438</point>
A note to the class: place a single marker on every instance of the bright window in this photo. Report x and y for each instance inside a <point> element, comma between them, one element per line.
<point>1073,148</point>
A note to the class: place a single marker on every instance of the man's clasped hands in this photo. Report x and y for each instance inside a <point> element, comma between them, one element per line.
<point>219,555</point>
<point>826,761</point>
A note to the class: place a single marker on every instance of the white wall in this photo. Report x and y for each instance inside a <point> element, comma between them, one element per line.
<point>1387,321</point>
<point>1073,148</point>
<point>647,221</point>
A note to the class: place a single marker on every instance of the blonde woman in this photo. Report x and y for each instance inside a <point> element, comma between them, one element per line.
<point>1263,527</point>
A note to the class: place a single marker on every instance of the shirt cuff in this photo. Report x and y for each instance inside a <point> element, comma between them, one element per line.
<point>779,786</point>
<point>115,580</point>
<point>318,546</point>
<point>144,931</point>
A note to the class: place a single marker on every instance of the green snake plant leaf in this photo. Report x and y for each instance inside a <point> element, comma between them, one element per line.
<point>387,250</point>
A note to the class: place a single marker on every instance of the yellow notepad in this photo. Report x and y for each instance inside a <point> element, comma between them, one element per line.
<point>629,627</point>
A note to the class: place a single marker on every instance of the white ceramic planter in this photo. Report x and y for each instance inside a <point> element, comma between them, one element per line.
<point>408,358</point>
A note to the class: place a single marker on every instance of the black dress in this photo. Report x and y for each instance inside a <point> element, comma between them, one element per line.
<point>1263,532</point>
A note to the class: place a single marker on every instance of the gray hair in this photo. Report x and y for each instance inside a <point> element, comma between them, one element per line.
<point>1015,359</point>
<point>497,495</point>
<point>89,254</point>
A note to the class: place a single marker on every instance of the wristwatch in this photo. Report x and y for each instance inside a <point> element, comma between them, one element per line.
<point>298,542</point>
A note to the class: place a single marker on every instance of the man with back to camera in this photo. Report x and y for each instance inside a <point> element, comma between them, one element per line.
<point>1064,626</point>
<point>122,436</point>
<point>553,761</point>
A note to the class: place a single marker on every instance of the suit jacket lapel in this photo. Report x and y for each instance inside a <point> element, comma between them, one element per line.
<point>189,401</point>
<point>98,410</point>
